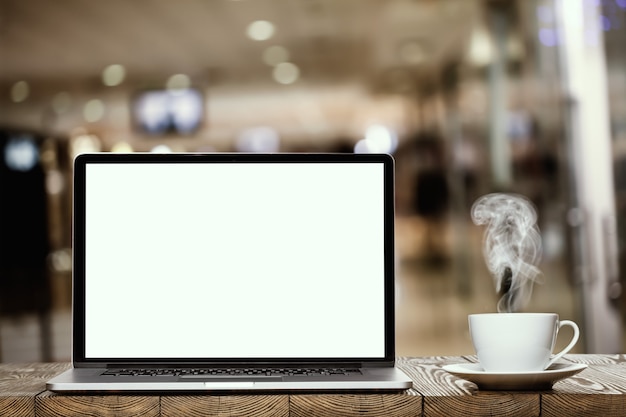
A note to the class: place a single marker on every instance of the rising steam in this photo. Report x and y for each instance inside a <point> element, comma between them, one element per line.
<point>511,246</point>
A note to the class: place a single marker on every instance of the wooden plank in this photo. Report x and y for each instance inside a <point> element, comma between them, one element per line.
<point>584,405</point>
<point>598,390</point>
<point>20,384</point>
<point>447,395</point>
<point>405,403</point>
<point>349,404</point>
<point>485,403</point>
<point>28,378</point>
<point>17,406</point>
<point>53,405</point>
<point>225,405</point>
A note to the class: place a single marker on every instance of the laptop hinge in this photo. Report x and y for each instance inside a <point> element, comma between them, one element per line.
<point>229,365</point>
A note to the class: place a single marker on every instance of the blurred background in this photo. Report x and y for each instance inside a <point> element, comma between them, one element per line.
<point>470,97</point>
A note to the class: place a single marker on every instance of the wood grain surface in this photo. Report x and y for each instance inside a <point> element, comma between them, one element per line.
<point>52,405</point>
<point>374,404</point>
<point>447,395</point>
<point>599,390</point>
<point>229,405</point>
<point>21,383</point>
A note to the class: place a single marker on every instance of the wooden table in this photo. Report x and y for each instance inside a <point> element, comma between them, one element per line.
<point>599,390</point>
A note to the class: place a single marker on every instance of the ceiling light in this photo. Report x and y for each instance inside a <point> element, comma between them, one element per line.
<point>20,91</point>
<point>260,30</point>
<point>286,73</point>
<point>258,139</point>
<point>85,143</point>
<point>381,138</point>
<point>121,147</point>
<point>161,149</point>
<point>178,82</point>
<point>113,75</point>
<point>480,47</point>
<point>93,110</point>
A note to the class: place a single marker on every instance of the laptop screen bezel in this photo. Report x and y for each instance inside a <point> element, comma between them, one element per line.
<point>81,162</point>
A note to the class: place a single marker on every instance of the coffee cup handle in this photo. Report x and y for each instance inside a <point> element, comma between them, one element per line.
<point>571,344</point>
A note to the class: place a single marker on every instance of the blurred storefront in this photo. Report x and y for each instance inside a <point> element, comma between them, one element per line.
<point>470,96</point>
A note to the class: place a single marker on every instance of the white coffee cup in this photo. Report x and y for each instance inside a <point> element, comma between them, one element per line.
<point>518,342</point>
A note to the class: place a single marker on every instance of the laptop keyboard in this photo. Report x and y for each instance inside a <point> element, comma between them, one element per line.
<point>233,372</point>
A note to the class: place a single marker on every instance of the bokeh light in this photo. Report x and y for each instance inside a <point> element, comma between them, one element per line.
<point>21,153</point>
<point>378,139</point>
<point>113,75</point>
<point>178,82</point>
<point>54,182</point>
<point>260,30</point>
<point>85,143</point>
<point>258,139</point>
<point>161,149</point>
<point>61,260</point>
<point>122,147</point>
<point>93,110</point>
<point>480,48</point>
<point>286,73</point>
<point>20,91</point>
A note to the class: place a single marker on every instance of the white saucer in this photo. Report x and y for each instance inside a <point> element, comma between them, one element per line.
<point>542,380</point>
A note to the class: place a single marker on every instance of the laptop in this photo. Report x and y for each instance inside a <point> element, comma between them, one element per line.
<point>212,272</point>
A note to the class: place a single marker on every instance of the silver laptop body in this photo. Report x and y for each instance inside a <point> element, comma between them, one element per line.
<point>208,272</point>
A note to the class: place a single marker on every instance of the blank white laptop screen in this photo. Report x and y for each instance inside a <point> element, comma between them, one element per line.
<point>234,260</point>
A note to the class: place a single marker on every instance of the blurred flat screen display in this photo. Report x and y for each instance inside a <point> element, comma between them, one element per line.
<point>168,112</point>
